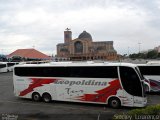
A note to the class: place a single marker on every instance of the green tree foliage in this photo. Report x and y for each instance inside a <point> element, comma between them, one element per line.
<point>150,55</point>
<point>16,58</point>
<point>3,58</point>
<point>149,112</point>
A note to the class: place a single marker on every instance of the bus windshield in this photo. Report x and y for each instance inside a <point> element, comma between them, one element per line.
<point>139,73</point>
<point>130,81</point>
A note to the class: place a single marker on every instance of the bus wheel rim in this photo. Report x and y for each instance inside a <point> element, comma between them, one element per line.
<point>46,99</point>
<point>114,103</point>
<point>36,97</point>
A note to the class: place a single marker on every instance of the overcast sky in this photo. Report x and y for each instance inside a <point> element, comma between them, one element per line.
<point>41,23</point>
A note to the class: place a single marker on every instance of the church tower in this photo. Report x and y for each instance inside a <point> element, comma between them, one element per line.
<point>67,35</point>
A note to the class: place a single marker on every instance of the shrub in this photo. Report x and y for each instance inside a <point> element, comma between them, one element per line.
<point>149,113</point>
<point>150,110</point>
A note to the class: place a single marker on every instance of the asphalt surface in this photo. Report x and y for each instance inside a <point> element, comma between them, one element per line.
<point>25,109</point>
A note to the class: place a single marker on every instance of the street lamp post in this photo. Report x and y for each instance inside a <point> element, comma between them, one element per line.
<point>128,51</point>
<point>139,47</point>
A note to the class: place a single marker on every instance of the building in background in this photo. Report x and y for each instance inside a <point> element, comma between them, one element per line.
<point>28,55</point>
<point>84,48</point>
<point>157,49</point>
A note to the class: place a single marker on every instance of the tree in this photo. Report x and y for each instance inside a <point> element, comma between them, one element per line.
<point>3,58</point>
<point>152,54</point>
<point>16,58</point>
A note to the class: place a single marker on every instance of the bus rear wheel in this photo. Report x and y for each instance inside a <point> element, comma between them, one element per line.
<point>114,102</point>
<point>36,97</point>
<point>46,97</point>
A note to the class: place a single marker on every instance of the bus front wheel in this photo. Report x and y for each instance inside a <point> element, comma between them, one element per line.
<point>36,97</point>
<point>114,102</point>
<point>46,97</point>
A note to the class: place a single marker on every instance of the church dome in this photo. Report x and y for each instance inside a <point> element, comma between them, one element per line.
<point>85,35</point>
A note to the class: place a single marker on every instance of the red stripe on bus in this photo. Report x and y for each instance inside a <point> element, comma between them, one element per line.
<point>103,94</point>
<point>36,82</point>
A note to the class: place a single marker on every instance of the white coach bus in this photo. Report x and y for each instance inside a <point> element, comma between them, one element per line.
<point>116,84</point>
<point>152,73</point>
<point>3,67</point>
<point>10,66</point>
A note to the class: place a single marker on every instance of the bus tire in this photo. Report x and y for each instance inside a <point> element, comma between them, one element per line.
<point>46,97</point>
<point>36,97</point>
<point>114,102</point>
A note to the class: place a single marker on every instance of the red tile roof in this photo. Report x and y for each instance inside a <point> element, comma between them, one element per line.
<point>29,53</point>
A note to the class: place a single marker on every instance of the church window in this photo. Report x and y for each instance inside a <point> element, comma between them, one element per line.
<point>78,47</point>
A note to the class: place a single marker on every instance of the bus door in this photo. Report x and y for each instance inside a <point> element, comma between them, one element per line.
<point>132,86</point>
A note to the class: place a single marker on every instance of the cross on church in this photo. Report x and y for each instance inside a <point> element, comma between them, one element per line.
<point>67,29</point>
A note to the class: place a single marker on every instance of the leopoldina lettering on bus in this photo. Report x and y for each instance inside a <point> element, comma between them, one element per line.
<point>83,82</point>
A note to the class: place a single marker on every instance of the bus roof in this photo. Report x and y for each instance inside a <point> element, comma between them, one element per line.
<point>148,64</point>
<point>153,62</point>
<point>3,62</point>
<point>62,64</point>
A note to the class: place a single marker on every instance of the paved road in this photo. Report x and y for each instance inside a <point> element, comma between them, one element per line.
<point>24,109</point>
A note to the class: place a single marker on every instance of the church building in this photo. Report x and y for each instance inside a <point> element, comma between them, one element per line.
<point>84,48</point>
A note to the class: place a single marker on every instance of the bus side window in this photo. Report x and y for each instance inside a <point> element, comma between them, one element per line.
<point>150,70</point>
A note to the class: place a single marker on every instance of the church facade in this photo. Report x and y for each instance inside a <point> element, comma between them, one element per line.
<point>84,48</point>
